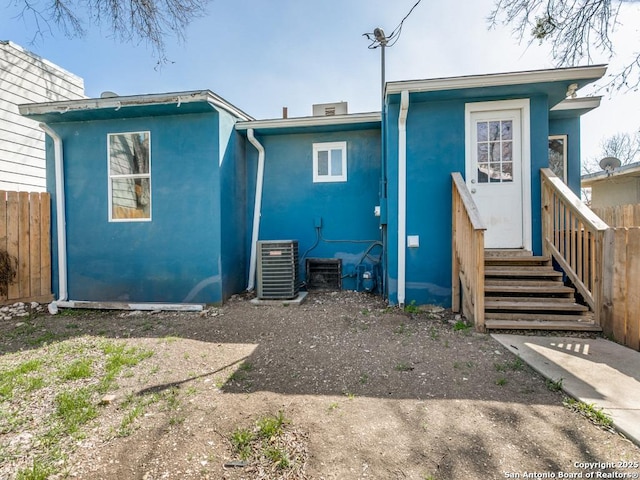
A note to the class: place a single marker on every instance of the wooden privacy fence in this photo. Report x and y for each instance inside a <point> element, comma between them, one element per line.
<point>620,215</point>
<point>624,267</point>
<point>25,225</point>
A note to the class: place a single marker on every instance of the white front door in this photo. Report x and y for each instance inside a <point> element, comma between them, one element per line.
<point>497,170</point>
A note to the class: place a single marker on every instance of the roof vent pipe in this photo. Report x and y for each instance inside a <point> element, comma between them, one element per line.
<point>256,209</point>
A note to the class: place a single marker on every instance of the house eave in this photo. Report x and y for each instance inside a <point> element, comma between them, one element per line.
<point>310,122</point>
<point>123,102</point>
<point>631,170</point>
<point>497,79</point>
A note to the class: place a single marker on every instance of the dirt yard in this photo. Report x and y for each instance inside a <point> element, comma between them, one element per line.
<point>341,387</point>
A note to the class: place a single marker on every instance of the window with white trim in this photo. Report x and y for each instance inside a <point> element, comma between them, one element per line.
<point>330,162</point>
<point>129,167</point>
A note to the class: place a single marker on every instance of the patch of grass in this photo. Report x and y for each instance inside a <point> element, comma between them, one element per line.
<point>126,424</point>
<point>37,471</point>
<point>333,406</point>
<point>45,338</point>
<point>433,333</point>
<point>365,311</point>
<point>461,326</point>
<point>172,398</point>
<point>412,307</point>
<point>501,381</point>
<point>364,378</point>
<point>278,456</point>
<point>169,339</point>
<point>118,357</point>
<point>74,408</point>
<point>403,367</point>
<point>554,385</point>
<point>20,377</point>
<point>81,368</point>
<point>271,426</point>
<point>589,410</point>
<point>349,395</point>
<point>246,366</point>
<point>514,365</point>
<point>402,329</point>
<point>241,440</point>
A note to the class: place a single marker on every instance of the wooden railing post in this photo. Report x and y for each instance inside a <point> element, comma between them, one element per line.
<point>467,252</point>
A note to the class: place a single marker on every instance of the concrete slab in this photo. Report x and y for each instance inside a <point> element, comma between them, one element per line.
<point>294,301</point>
<point>595,371</point>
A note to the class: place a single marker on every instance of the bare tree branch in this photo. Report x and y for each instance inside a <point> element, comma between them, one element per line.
<point>135,21</point>
<point>575,30</point>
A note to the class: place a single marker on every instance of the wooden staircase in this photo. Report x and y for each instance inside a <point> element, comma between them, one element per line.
<point>523,291</point>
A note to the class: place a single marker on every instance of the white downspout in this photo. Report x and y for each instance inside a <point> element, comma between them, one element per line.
<point>256,209</point>
<point>60,213</point>
<point>402,194</point>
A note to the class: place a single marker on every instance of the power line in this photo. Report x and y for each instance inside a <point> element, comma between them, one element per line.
<point>379,39</point>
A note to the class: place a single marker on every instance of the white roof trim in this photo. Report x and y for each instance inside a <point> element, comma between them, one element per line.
<point>630,169</point>
<point>577,103</point>
<point>131,101</point>
<point>316,121</point>
<point>497,79</point>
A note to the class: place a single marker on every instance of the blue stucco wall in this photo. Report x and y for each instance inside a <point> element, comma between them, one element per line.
<point>571,128</point>
<point>233,199</point>
<point>176,257</point>
<point>435,149</point>
<point>292,203</point>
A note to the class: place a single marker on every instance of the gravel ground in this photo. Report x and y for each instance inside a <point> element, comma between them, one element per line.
<point>356,390</point>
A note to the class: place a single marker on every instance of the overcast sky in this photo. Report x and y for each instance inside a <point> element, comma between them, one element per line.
<point>262,55</point>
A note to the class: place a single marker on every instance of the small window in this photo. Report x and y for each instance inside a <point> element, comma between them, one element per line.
<point>330,162</point>
<point>129,176</point>
<point>558,156</point>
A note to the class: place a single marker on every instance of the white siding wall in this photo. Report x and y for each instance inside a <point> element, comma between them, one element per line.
<point>27,78</point>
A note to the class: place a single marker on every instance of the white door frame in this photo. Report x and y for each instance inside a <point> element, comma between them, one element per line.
<point>524,107</point>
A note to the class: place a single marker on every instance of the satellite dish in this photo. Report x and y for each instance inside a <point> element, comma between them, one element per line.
<point>609,164</point>
<point>108,94</point>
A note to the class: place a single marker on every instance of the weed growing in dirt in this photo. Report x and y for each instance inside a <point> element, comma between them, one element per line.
<point>19,377</point>
<point>412,307</point>
<point>278,456</point>
<point>554,385</point>
<point>403,367</point>
<point>38,471</point>
<point>364,378</point>
<point>76,370</point>
<point>241,440</point>
<point>461,325</point>
<point>589,410</point>
<point>271,426</point>
<point>501,381</point>
<point>333,406</point>
<point>509,365</point>
<point>74,408</point>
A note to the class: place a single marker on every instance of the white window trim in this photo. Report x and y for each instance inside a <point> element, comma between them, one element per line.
<point>327,146</point>
<point>110,177</point>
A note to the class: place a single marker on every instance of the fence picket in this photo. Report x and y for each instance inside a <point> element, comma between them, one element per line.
<point>632,337</point>
<point>24,234</point>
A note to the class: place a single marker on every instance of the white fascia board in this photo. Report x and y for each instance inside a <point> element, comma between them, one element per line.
<point>632,169</point>
<point>311,121</point>
<point>497,79</point>
<point>118,102</point>
<point>577,104</point>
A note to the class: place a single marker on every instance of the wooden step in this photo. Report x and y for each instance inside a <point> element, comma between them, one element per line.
<point>522,324</point>
<point>540,305</point>
<point>536,299</point>
<point>582,317</point>
<point>537,260</point>
<point>527,282</point>
<point>520,288</point>
<point>506,252</point>
<point>511,273</point>
<point>519,268</point>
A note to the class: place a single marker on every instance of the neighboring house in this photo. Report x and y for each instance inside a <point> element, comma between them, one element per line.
<point>621,186</point>
<point>27,78</point>
<point>166,195</point>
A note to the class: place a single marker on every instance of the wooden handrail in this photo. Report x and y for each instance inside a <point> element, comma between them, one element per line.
<point>467,253</point>
<point>579,241</point>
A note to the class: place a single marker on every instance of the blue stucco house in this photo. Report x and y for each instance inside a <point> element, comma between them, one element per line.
<point>162,198</point>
